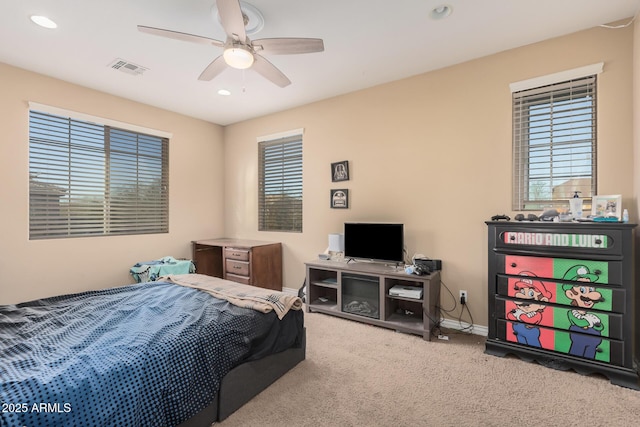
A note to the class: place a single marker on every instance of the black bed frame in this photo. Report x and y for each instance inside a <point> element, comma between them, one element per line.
<point>245,381</point>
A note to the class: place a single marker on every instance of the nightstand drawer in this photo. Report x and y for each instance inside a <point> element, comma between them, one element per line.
<point>238,254</point>
<point>240,268</point>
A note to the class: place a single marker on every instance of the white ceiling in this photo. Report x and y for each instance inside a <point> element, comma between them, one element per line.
<point>367,42</point>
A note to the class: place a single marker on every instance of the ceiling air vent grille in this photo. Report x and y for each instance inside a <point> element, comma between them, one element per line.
<point>127,67</point>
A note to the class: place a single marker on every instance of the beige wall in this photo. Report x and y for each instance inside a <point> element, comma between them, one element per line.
<point>432,151</point>
<point>34,269</point>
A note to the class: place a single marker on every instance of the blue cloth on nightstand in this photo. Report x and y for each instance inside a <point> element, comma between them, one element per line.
<point>149,271</point>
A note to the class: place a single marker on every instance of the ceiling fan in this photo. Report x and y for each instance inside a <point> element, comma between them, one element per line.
<point>239,51</point>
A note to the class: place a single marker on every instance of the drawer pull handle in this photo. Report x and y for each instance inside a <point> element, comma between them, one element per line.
<point>512,238</point>
<point>237,267</point>
<point>514,265</point>
<point>598,241</point>
<point>597,272</point>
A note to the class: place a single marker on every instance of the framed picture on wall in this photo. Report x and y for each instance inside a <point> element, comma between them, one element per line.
<point>340,199</point>
<point>607,206</point>
<point>340,171</point>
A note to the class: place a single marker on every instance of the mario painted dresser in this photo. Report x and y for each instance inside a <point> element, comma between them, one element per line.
<point>565,295</point>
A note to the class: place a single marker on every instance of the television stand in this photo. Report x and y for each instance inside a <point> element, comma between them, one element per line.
<point>361,291</point>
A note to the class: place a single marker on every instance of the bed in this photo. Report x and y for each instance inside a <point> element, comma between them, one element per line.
<point>151,354</point>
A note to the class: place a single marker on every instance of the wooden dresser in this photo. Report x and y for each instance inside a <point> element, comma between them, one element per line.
<point>565,295</point>
<point>251,262</point>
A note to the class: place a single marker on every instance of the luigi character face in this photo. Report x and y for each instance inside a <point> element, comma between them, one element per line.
<point>580,294</point>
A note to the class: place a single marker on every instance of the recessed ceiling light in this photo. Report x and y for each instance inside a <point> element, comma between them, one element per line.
<point>224,92</point>
<point>441,12</point>
<point>43,21</point>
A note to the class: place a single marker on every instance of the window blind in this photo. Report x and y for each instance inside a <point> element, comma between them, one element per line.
<point>554,144</point>
<point>89,179</point>
<point>280,184</point>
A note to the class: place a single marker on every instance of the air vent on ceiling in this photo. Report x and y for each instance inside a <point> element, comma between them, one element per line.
<point>127,67</point>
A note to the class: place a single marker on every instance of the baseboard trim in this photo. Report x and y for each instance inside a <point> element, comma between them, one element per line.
<point>468,327</point>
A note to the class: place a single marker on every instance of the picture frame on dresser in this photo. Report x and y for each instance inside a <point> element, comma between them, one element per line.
<point>607,206</point>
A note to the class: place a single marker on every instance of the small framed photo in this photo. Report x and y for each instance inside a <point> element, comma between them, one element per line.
<point>340,171</point>
<point>607,206</point>
<point>340,199</point>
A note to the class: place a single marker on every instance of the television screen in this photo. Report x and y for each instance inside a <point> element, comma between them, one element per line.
<point>374,241</point>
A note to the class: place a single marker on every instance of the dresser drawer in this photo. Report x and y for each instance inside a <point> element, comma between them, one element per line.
<point>534,314</point>
<point>580,345</point>
<point>245,280</point>
<point>237,254</point>
<point>580,294</point>
<point>602,241</point>
<point>563,269</point>
<point>240,268</point>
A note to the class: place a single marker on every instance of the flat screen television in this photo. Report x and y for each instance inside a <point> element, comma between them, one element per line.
<point>374,241</point>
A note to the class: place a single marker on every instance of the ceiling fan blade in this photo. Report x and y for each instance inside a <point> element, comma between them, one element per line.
<point>269,71</point>
<point>180,36</point>
<point>216,67</point>
<point>286,46</point>
<point>232,19</point>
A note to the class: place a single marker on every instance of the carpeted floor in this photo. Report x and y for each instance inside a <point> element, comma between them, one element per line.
<point>361,375</point>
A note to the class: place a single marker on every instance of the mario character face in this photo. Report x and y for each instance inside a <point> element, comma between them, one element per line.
<point>582,296</point>
<point>529,307</point>
<point>529,289</point>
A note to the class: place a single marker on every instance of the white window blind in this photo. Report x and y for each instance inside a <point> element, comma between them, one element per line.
<point>280,184</point>
<point>554,143</point>
<point>89,179</point>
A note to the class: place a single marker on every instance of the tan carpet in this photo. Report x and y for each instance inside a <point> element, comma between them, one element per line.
<point>360,375</point>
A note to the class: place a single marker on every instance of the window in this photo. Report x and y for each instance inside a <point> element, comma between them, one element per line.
<point>554,143</point>
<point>89,179</point>
<point>280,184</point>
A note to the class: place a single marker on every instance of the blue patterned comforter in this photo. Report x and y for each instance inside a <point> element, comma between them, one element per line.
<point>151,354</point>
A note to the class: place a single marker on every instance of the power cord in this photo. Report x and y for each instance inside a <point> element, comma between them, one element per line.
<point>435,322</point>
<point>453,312</point>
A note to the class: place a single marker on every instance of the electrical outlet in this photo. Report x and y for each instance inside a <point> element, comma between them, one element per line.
<point>463,297</point>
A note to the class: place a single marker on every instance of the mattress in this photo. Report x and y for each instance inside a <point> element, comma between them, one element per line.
<point>150,354</point>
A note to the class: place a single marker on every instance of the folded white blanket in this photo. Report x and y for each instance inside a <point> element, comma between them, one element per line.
<point>260,299</point>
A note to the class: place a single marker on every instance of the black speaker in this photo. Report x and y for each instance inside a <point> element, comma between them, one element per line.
<point>428,264</point>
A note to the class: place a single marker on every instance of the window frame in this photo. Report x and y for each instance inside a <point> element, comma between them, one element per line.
<point>280,168</point>
<point>576,154</point>
<point>76,163</point>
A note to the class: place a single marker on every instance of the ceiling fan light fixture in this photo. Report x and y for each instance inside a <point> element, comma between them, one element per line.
<point>238,57</point>
<point>440,12</point>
